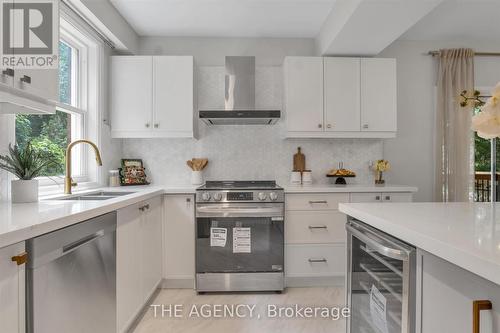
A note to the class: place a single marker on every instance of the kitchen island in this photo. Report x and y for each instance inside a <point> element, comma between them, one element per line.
<point>458,259</point>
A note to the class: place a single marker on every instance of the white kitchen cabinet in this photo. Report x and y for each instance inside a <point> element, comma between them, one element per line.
<point>342,94</point>
<point>347,98</point>
<point>173,101</point>
<point>12,289</point>
<point>179,236</point>
<point>151,243</point>
<point>378,95</point>
<point>382,197</point>
<point>131,95</point>
<point>43,83</point>
<point>138,258</point>
<point>304,94</point>
<point>152,97</point>
<point>447,296</point>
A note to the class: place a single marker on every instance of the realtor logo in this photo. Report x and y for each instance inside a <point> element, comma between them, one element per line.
<point>29,35</point>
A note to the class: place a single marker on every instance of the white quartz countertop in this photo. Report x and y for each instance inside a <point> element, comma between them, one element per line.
<point>19,222</point>
<point>465,234</point>
<point>327,188</point>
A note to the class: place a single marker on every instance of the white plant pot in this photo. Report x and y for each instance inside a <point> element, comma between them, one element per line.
<point>23,191</point>
<point>196,177</point>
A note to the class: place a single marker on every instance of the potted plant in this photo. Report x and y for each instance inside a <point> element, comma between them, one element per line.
<point>26,164</point>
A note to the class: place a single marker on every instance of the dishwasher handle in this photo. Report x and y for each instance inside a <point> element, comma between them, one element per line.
<point>81,242</point>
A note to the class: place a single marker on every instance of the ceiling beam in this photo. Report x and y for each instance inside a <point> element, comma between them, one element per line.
<point>366,27</point>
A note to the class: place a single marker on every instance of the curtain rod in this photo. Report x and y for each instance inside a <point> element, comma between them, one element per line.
<point>477,54</point>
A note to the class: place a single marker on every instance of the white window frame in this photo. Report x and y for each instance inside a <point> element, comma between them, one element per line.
<point>85,105</point>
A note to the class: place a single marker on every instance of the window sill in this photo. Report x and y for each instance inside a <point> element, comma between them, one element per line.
<point>58,190</point>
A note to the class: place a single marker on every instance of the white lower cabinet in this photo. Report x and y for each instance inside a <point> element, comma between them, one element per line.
<point>179,236</point>
<point>382,197</point>
<point>138,258</point>
<point>448,294</point>
<point>12,289</point>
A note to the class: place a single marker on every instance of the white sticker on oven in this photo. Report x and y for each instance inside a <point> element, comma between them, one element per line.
<point>242,240</point>
<point>218,237</point>
<point>378,309</point>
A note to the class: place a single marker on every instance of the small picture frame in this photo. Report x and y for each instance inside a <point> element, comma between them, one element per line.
<point>133,172</point>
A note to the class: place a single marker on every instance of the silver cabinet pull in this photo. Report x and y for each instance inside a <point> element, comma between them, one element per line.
<point>329,126</point>
<point>311,227</point>
<point>320,126</point>
<point>312,202</point>
<point>317,260</point>
<point>147,125</point>
<point>26,79</point>
<point>8,72</point>
<point>365,126</point>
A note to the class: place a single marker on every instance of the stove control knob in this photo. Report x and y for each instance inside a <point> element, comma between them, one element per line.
<point>217,196</point>
<point>273,196</point>
<point>205,196</point>
<point>262,196</point>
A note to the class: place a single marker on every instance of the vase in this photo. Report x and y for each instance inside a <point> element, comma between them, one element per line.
<point>378,178</point>
<point>196,178</point>
<point>24,191</point>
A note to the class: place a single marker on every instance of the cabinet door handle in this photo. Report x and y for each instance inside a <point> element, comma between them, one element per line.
<point>320,126</point>
<point>387,197</point>
<point>477,307</point>
<point>377,198</point>
<point>317,260</point>
<point>365,126</point>
<point>329,126</point>
<point>21,258</point>
<point>147,125</point>
<point>318,202</point>
<point>143,208</point>
<point>311,227</point>
<point>8,72</point>
<point>26,79</point>
<point>157,125</point>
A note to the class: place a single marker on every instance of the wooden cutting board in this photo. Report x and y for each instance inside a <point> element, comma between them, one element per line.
<point>299,161</point>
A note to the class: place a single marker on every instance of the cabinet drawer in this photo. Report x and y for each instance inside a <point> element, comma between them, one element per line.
<point>315,201</point>
<point>314,260</point>
<point>397,197</point>
<point>315,227</point>
<point>366,197</point>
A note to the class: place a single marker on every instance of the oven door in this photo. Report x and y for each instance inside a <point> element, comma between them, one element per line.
<point>239,238</point>
<point>380,281</point>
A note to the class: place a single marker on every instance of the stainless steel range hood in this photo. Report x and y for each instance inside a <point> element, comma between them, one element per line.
<point>239,99</point>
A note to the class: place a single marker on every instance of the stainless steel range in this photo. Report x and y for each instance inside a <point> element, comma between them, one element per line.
<point>240,236</point>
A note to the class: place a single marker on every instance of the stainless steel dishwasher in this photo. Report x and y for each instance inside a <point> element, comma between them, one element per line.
<point>71,279</point>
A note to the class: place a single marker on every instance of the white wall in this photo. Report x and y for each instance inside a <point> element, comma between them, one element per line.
<point>411,153</point>
<point>211,51</point>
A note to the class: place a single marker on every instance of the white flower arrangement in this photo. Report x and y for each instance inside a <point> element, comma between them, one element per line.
<point>487,122</point>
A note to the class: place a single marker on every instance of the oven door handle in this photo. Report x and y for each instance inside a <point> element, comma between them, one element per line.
<point>379,244</point>
<point>251,211</point>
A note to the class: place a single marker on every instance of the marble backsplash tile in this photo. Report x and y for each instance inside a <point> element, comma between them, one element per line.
<point>249,152</point>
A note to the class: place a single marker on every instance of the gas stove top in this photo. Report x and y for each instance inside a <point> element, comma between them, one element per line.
<point>240,191</point>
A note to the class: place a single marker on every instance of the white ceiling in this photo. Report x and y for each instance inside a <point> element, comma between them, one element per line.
<point>456,20</point>
<point>225,18</point>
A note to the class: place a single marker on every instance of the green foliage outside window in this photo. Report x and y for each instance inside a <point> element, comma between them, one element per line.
<point>50,134</point>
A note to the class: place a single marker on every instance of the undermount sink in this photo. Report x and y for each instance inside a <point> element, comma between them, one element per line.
<point>95,196</point>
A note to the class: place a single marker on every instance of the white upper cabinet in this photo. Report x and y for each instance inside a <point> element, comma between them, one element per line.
<point>131,95</point>
<point>378,95</point>
<point>152,97</point>
<point>173,95</point>
<point>342,91</point>
<point>334,97</point>
<point>304,94</point>
<point>27,90</point>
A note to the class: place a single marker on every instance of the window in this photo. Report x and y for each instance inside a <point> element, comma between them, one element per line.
<point>51,134</point>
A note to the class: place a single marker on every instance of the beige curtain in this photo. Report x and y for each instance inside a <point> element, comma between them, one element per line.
<point>454,156</point>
